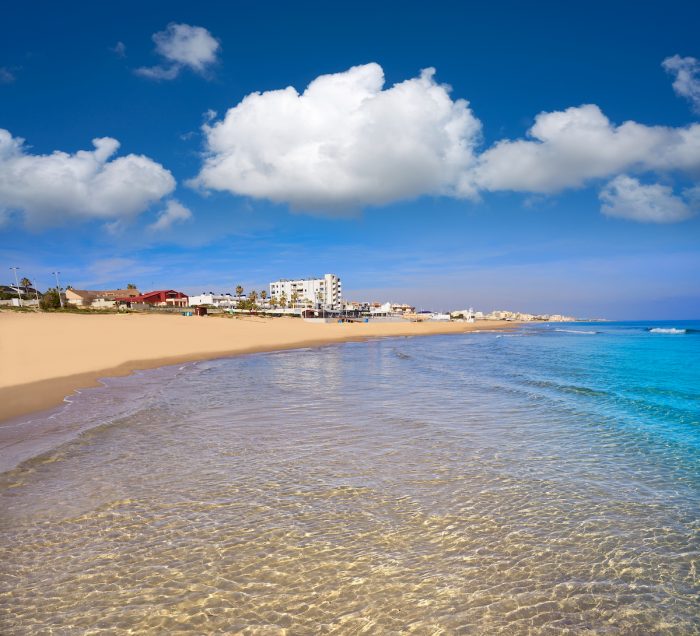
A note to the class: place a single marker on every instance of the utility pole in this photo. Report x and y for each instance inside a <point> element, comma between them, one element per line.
<point>19,296</point>
<point>36,292</point>
<point>58,288</point>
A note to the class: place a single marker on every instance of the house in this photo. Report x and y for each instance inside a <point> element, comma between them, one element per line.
<point>215,300</point>
<point>98,299</point>
<point>158,298</point>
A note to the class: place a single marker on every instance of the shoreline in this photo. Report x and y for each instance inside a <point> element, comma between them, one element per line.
<point>255,335</point>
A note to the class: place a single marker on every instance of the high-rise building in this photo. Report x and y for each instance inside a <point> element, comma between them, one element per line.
<point>326,291</point>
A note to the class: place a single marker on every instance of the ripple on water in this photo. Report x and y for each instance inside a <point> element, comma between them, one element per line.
<point>354,490</point>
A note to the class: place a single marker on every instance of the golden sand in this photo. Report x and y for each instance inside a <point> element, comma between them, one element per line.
<point>46,356</point>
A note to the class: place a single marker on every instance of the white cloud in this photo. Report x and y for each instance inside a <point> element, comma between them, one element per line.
<point>625,197</point>
<point>567,148</point>
<point>182,46</point>
<point>348,142</point>
<point>119,49</point>
<point>6,76</point>
<point>159,72</point>
<point>345,142</point>
<point>687,82</point>
<point>174,212</point>
<point>90,184</point>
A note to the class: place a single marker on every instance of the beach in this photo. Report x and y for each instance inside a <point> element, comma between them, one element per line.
<point>47,356</point>
<point>539,480</point>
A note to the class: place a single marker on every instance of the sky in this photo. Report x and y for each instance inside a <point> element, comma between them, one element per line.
<point>540,157</point>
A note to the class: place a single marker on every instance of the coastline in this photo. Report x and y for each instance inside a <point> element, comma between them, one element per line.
<point>48,357</point>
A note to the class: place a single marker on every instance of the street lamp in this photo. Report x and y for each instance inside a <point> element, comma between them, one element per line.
<point>58,288</point>
<point>36,293</point>
<point>19,296</point>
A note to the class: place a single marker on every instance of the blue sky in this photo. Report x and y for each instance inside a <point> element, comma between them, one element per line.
<point>407,192</point>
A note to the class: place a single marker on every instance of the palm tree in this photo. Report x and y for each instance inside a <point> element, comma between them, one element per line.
<point>239,291</point>
<point>283,301</point>
<point>263,294</point>
<point>294,299</point>
<point>130,286</point>
<point>25,282</point>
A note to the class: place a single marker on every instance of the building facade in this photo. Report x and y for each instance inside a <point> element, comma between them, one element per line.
<point>227,301</point>
<point>158,298</point>
<point>326,291</point>
<point>98,299</point>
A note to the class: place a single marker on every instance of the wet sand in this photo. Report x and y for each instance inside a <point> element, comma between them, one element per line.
<point>45,357</point>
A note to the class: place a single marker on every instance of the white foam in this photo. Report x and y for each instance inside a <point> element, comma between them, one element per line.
<point>671,330</point>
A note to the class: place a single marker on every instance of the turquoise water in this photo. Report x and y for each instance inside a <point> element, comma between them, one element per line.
<point>541,481</point>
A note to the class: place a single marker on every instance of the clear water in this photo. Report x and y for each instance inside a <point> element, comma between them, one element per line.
<point>544,481</point>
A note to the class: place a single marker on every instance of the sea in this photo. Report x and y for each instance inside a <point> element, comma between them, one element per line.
<point>544,480</point>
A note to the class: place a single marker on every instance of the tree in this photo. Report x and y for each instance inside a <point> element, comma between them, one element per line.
<point>263,294</point>
<point>51,299</point>
<point>25,282</point>
<point>283,301</point>
<point>239,290</point>
<point>131,286</point>
<point>294,299</point>
<point>253,296</point>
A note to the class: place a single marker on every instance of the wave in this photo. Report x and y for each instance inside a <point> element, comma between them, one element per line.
<point>668,330</point>
<point>588,333</point>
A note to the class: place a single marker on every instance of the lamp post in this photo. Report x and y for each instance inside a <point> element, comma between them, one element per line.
<point>58,288</point>
<point>36,293</point>
<point>19,296</point>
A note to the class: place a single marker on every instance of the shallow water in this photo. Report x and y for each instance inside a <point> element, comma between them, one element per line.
<point>539,482</point>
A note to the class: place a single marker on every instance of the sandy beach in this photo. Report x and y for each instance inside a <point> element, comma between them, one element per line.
<point>45,357</point>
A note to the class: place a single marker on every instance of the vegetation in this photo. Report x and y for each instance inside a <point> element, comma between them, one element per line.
<point>239,290</point>
<point>248,304</point>
<point>50,300</point>
<point>25,282</point>
<point>130,286</point>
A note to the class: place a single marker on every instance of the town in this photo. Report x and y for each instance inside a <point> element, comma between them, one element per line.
<point>317,299</point>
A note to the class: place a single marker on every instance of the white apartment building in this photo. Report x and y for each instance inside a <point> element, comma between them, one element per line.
<point>216,300</point>
<point>327,291</point>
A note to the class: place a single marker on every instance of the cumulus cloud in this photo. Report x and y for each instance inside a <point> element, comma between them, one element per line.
<point>182,46</point>
<point>625,197</point>
<point>348,141</point>
<point>89,184</point>
<point>345,142</point>
<point>174,213</point>
<point>567,148</point>
<point>687,74</point>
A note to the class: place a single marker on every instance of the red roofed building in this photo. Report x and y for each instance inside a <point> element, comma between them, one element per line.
<point>160,298</point>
